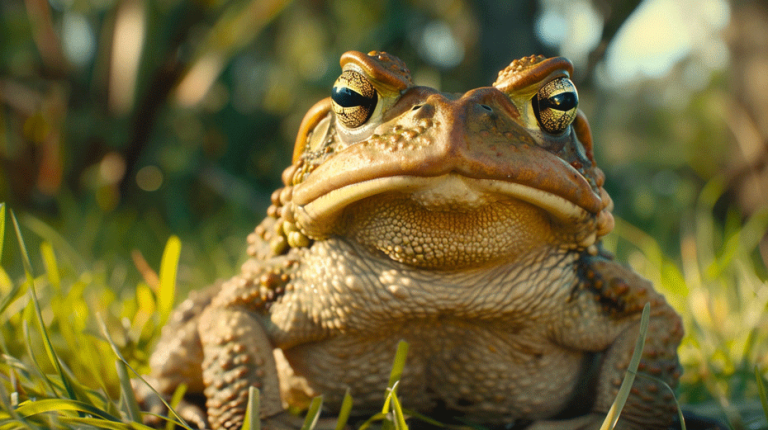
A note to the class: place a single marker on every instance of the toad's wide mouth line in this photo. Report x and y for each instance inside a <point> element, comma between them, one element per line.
<point>435,190</point>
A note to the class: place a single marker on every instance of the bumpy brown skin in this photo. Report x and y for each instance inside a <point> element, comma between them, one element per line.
<point>454,222</point>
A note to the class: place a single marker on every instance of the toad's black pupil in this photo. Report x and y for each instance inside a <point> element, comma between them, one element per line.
<point>562,102</point>
<point>346,97</point>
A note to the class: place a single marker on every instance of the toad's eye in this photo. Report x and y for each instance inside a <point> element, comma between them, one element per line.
<point>555,105</point>
<point>353,99</point>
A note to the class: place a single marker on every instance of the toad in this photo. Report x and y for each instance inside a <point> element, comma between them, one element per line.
<point>468,225</point>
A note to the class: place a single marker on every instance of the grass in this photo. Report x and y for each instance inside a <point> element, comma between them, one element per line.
<point>69,336</point>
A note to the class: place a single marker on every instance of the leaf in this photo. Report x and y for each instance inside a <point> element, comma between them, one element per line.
<point>629,378</point>
<point>168,267</point>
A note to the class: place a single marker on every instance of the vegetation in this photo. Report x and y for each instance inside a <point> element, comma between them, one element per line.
<point>67,338</point>
<point>133,171</point>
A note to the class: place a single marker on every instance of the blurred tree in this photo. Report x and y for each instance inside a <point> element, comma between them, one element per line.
<point>187,105</point>
<point>747,114</point>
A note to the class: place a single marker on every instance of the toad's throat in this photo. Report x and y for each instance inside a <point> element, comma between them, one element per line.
<point>446,192</point>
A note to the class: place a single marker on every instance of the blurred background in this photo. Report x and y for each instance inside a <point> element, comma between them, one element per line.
<point>123,122</point>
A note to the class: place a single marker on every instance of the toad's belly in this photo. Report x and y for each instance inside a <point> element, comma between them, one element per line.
<point>496,377</point>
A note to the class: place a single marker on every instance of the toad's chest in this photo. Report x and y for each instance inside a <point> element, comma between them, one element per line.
<point>338,289</point>
<point>490,373</point>
<point>479,340</point>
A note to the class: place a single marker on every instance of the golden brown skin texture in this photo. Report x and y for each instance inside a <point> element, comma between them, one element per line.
<point>468,225</point>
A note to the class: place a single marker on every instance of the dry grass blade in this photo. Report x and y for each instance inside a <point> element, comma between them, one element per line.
<point>629,378</point>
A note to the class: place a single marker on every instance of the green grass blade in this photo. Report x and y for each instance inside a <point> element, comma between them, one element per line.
<point>36,365</point>
<point>51,266</point>
<point>11,411</point>
<point>13,295</point>
<point>126,392</point>
<point>629,378</point>
<point>29,408</point>
<point>2,229</point>
<point>16,290</point>
<point>116,351</point>
<point>398,411</point>
<point>168,268</point>
<point>413,414</point>
<point>313,414</point>
<point>345,411</point>
<point>395,374</point>
<point>83,422</point>
<point>251,420</point>
<point>178,396</point>
<point>377,417</point>
<point>50,235</point>
<point>762,391</point>
<point>399,364</point>
<point>41,325</point>
<point>674,397</point>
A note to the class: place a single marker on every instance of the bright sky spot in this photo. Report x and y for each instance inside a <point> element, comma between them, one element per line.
<point>662,32</point>
<point>439,46</point>
<point>574,26</point>
<point>78,40</point>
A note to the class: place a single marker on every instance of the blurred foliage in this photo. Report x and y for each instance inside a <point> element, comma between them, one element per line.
<point>124,121</point>
<point>158,116</point>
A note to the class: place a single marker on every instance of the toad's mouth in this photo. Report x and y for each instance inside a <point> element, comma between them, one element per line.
<point>451,192</point>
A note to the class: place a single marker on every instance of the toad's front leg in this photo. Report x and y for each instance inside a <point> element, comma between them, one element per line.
<point>237,351</point>
<point>237,355</point>
<point>603,316</point>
